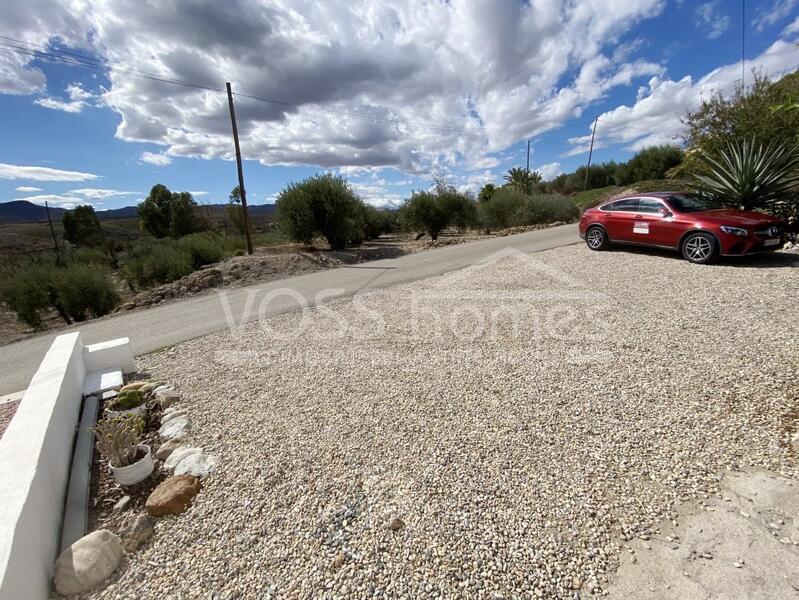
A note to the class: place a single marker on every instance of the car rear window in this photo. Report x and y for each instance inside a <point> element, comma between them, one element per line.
<point>630,204</point>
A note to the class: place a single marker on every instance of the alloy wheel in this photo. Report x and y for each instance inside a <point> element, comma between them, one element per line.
<point>698,248</point>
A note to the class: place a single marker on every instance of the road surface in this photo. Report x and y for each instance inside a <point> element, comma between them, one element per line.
<point>186,319</point>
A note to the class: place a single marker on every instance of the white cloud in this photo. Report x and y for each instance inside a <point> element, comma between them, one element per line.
<point>550,170</point>
<point>159,159</point>
<point>202,193</point>
<point>460,68</point>
<point>27,189</point>
<point>711,20</point>
<point>792,28</point>
<point>42,173</point>
<point>655,116</point>
<point>78,98</point>
<point>773,12</point>
<point>99,194</point>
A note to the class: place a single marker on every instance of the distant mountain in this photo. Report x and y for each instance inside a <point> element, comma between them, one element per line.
<point>22,210</point>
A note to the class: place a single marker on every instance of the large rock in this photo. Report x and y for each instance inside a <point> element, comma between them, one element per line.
<point>172,496</point>
<point>175,429</point>
<point>168,416</point>
<point>167,448</point>
<point>166,397</point>
<point>87,563</point>
<point>178,455</point>
<point>197,464</point>
<point>136,532</point>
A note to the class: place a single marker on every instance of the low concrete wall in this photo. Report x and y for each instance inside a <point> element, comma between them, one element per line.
<point>35,456</point>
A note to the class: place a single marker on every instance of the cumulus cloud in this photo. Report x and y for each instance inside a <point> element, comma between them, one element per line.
<point>159,159</point>
<point>655,116</point>
<point>711,19</point>
<point>550,170</point>
<point>416,85</point>
<point>42,173</point>
<point>78,99</point>
<point>27,189</point>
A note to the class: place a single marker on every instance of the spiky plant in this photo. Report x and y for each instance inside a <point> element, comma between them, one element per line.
<point>118,440</point>
<point>747,174</point>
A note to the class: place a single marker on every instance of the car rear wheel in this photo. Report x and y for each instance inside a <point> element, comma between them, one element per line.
<point>700,248</point>
<point>596,238</point>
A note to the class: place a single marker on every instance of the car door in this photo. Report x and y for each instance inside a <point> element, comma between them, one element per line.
<point>620,218</point>
<point>661,227</point>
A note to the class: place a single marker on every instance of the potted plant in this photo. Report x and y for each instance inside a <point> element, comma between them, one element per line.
<point>118,441</point>
<point>127,402</point>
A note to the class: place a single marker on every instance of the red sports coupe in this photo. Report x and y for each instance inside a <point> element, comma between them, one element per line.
<point>680,221</point>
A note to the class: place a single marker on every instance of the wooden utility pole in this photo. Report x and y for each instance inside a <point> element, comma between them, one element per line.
<point>590,153</point>
<point>52,232</point>
<point>528,156</point>
<point>241,173</point>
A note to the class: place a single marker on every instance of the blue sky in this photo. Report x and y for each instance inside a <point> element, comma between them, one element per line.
<point>387,96</point>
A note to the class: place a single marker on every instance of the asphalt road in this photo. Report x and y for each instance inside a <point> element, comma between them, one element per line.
<point>186,319</point>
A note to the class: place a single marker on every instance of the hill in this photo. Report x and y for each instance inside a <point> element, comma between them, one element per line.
<point>22,211</point>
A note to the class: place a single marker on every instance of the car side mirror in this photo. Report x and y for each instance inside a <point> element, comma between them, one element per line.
<point>665,212</point>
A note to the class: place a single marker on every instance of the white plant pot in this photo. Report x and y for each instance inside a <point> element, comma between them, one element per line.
<point>137,472</point>
<point>136,411</point>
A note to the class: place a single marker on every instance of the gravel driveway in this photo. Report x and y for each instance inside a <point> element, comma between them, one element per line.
<point>498,431</point>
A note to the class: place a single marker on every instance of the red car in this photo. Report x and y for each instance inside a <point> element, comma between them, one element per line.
<point>679,221</point>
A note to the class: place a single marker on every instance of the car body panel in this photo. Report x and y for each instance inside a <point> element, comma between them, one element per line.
<point>631,220</point>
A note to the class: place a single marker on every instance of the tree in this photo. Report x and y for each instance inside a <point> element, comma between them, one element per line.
<point>234,210</point>
<point>748,174</point>
<point>486,192</point>
<point>81,227</point>
<point>182,220</point>
<point>522,179</point>
<point>749,114</point>
<point>321,205</point>
<point>434,210</point>
<point>164,213</point>
<point>653,162</point>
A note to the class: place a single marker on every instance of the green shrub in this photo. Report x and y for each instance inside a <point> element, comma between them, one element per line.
<point>30,291</point>
<point>433,211</point>
<point>90,256</point>
<point>75,292</point>
<point>321,205</point>
<point>549,209</point>
<point>504,208</point>
<point>85,290</point>
<point>204,248</point>
<point>160,262</point>
<point>240,252</point>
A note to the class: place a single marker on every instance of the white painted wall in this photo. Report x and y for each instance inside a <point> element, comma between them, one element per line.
<point>35,456</point>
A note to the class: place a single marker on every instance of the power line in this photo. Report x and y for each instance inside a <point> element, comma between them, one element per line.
<point>74,59</point>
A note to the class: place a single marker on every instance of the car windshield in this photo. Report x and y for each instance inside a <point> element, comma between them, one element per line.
<point>687,203</point>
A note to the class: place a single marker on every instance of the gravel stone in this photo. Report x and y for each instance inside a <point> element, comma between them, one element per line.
<point>522,453</point>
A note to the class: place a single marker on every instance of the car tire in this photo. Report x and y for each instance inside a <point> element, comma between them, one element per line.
<point>699,248</point>
<point>596,238</point>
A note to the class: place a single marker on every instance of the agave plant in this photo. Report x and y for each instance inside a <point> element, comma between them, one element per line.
<point>748,175</point>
